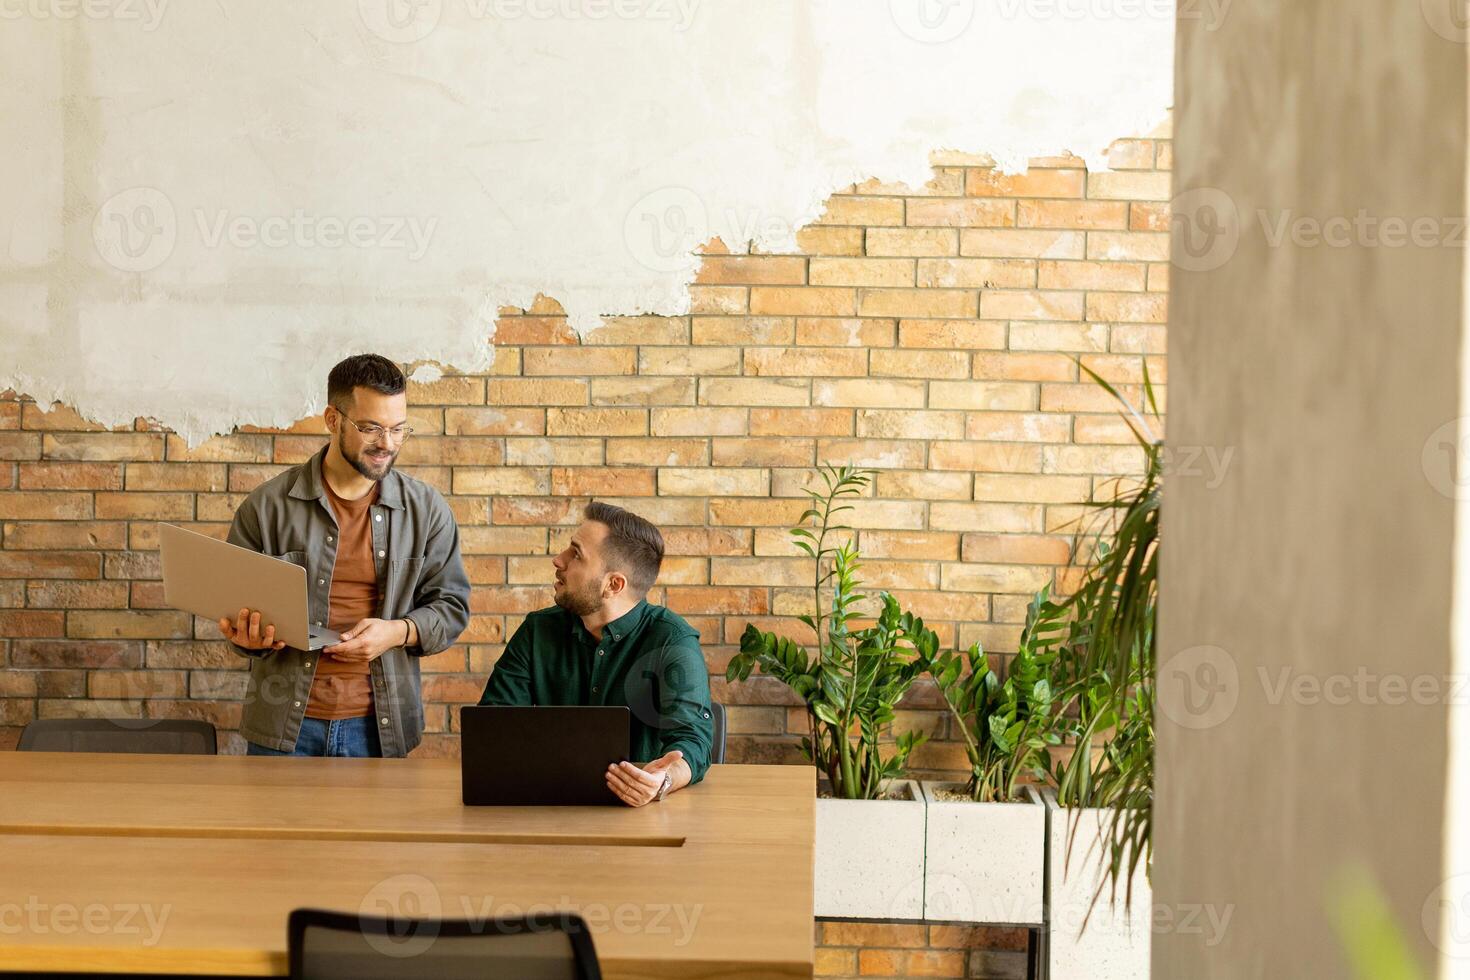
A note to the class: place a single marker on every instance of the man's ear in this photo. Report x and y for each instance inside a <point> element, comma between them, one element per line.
<point>617,584</point>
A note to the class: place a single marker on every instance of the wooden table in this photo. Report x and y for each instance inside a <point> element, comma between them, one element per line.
<point>191,863</point>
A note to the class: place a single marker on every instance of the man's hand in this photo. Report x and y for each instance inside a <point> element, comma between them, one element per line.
<point>368,640</point>
<point>637,786</point>
<point>245,632</point>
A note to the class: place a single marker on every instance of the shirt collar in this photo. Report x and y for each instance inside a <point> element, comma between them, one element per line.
<point>617,630</point>
<point>310,485</point>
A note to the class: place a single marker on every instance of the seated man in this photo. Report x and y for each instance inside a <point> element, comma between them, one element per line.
<point>604,644</point>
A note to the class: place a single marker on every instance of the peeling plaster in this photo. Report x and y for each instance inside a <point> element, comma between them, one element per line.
<point>203,206</point>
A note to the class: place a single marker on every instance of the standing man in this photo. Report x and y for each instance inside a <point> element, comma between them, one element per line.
<point>381,553</point>
<point>603,643</point>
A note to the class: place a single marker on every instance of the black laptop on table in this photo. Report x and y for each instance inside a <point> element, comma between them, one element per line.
<point>542,755</point>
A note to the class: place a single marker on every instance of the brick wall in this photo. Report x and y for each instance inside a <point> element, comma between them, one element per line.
<point>928,333</point>
<point>880,949</point>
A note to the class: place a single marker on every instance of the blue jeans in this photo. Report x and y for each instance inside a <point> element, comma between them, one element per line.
<point>355,738</point>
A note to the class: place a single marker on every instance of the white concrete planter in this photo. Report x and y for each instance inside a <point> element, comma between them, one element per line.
<point>984,862</point>
<point>1115,943</point>
<point>869,860</point>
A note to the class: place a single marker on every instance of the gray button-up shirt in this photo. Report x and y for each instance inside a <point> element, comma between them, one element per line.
<point>420,577</point>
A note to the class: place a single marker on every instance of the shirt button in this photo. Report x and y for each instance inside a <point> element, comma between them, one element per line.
<point>384,720</point>
<point>318,622</point>
<point>329,539</point>
<point>594,690</point>
<point>382,554</point>
<point>297,703</point>
<point>308,663</point>
<point>377,517</point>
<point>321,581</point>
<point>601,652</point>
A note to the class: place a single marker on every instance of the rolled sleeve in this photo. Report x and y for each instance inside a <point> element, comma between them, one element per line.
<point>687,725</point>
<point>442,600</point>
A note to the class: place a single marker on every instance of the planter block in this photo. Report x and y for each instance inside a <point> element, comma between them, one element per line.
<point>869,859</point>
<point>1115,944</point>
<point>984,862</point>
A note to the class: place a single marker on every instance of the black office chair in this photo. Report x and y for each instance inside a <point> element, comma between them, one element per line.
<point>155,736</point>
<point>717,747</point>
<point>342,946</point>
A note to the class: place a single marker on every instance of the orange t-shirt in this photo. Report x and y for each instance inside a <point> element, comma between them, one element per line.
<point>340,689</point>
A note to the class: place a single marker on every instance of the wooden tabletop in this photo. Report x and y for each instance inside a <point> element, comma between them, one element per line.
<point>205,856</point>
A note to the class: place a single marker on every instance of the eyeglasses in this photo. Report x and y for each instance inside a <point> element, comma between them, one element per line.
<point>374,433</point>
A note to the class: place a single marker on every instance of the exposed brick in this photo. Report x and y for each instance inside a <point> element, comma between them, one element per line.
<point>845,332</point>
<point>802,421</point>
<point>983,182</point>
<point>236,448</point>
<point>25,505</point>
<point>603,481</point>
<point>745,330</point>
<point>579,361</point>
<point>56,535</point>
<point>753,270</point>
<point>494,421</point>
<point>71,476</point>
<point>75,653</point>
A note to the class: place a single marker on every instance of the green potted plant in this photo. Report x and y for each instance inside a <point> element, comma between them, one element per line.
<point>851,683</point>
<point>986,838</point>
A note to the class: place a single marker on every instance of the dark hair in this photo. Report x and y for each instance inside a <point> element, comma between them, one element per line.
<point>633,545</point>
<point>363,371</point>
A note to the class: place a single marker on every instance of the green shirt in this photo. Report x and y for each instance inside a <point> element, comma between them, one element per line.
<point>648,659</point>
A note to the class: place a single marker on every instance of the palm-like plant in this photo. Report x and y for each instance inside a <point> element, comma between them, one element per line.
<point>1106,661</point>
<point>856,677</point>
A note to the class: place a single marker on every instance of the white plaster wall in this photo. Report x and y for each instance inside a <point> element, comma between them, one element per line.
<point>204,205</point>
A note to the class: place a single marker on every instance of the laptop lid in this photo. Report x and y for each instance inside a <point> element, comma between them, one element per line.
<point>216,579</point>
<point>541,755</point>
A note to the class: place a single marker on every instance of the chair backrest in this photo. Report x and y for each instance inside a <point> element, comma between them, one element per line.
<point>717,747</point>
<point>156,736</point>
<point>342,946</point>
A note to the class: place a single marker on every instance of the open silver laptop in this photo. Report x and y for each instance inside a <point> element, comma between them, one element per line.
<point>215,579</point>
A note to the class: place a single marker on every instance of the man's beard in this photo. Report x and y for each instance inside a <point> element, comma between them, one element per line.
<point>583,603</point>
<point>364,465</point>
